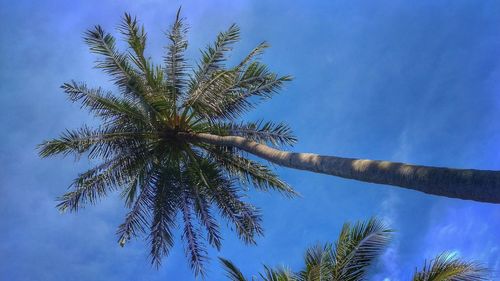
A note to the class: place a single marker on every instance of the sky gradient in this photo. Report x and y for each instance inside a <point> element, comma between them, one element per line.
<point>392,80</point>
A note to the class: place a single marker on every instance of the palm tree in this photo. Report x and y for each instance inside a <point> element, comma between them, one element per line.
<point>447,267</point>
<point>163,178</point>
<point>170,142</point>
<point>349,258</point>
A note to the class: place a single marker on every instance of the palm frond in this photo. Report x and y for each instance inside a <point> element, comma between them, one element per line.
<point>98,142</point>
<point>104,104</point>
<point>197,176</point>
<point>232,271</point>
<point>357,247</point>
<point>248,171</point>
<point>166,201</point>
<point>118,66</point>
<point>255,84</point>
<point>174,59</point>
<point>281,274</point>
<point>215,55</point>
<point>447,267</point>
<point>136,38</point>
<point>194,248</point>
<point>318,262</point>
<point>257,51</point>
<point>211,66</point>
<point>94,184</point>
<point>245,217</point>
<point>138,216</point>
<point>114,63</point>
<point>230,93</point>
<point>277,134</point>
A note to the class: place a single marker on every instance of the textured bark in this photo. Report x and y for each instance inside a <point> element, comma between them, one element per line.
<point>469,184</point>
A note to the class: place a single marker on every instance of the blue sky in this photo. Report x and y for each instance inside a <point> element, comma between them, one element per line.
<point>414,81</point>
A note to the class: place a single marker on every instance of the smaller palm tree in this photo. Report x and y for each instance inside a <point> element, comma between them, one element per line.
<point>346,259</point>
<point>349,258</point>
<point>447,267</point>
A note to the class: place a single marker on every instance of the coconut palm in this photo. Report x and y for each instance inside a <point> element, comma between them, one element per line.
<point>170,141</point>
<point>162,175</point>
<point>349,258</point>
<point>447,267</point>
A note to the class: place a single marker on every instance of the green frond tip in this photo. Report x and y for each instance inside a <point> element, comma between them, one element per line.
<point>446,266</point>
<point>232,272</point>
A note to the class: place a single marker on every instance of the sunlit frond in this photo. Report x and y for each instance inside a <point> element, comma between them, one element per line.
<point>357,247</point>
<point>277,134</point>
<point>281,274</point>
<point>105,104</point>
<point>447,267</point>
<point>175,62</point>
<point>318,262</point>
<point>114,63</point>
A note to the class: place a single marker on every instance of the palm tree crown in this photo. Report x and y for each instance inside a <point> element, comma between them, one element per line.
<point>166,178</point>
<point>351,255</point>
<point>347,259</point>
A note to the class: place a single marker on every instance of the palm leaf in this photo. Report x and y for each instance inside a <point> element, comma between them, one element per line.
<point>174,59</point>
<point>277,134</point>
<point>232,272</point>
<point>357,247</point>
<point>446,267</point>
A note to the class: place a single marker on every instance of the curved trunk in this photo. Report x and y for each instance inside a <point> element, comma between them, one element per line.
<point>478,185</point>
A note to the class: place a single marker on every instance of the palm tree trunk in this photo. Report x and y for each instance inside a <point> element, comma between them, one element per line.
<point>469,184</point>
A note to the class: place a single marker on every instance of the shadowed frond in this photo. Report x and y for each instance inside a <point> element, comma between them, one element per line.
<point>232,272</point>
<point>98,181</point>
<point>248,171</point>
<point>194,249</point>
<point>140,212</point>
<point>100,142</point>
<point>446,267</point>
<point>198,176</point>
<point>221,191</point>
<point>167,199</point>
